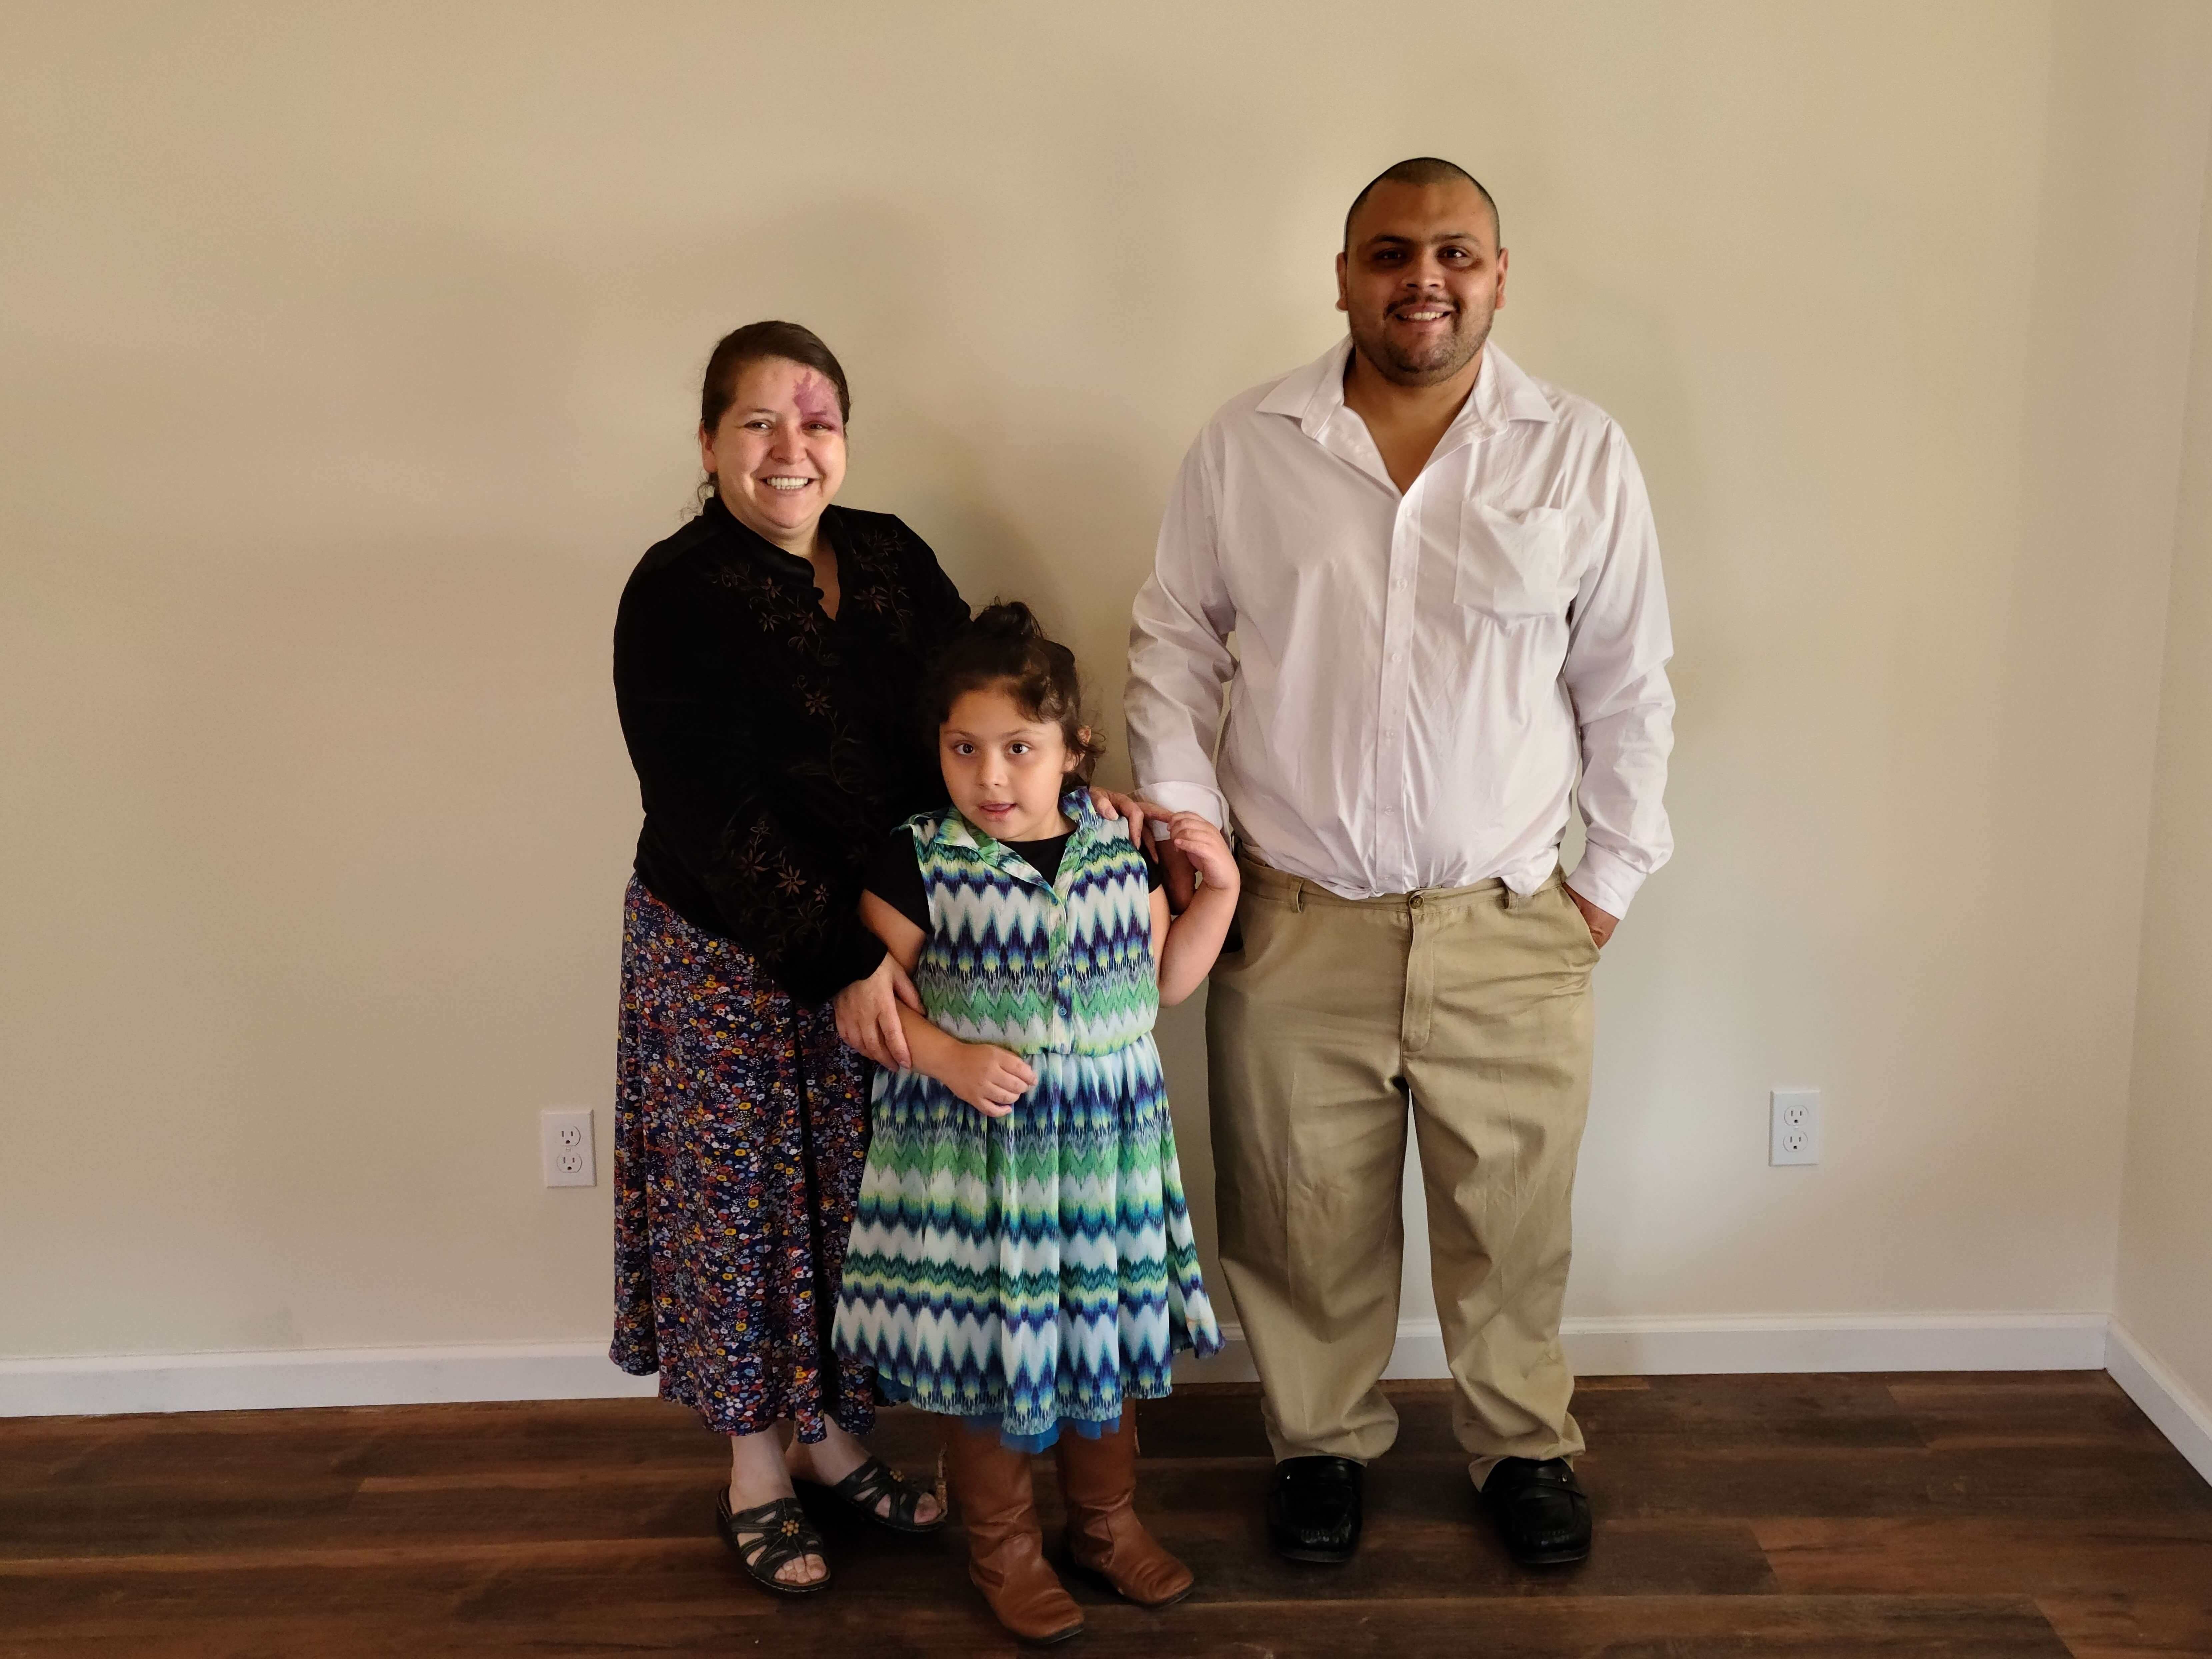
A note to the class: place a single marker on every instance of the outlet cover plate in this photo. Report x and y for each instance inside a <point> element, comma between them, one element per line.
<point>565,1137</point>
<point>1795,1132</point>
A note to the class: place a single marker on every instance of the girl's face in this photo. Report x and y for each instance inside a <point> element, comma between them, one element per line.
<point>1004,769</point>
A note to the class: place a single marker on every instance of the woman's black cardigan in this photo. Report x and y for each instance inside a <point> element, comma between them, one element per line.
<point>776,747</point>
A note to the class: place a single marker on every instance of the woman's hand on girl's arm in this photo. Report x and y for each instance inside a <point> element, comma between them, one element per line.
<point>868,1014</point>
<point>1194,938</point>
<point>868,1008</point>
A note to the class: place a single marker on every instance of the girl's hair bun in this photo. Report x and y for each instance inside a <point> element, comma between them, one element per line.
<point>1007,619</point>
<point>1004,645</point>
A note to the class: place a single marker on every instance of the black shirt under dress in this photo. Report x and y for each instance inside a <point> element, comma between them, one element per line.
<point>775,747</point>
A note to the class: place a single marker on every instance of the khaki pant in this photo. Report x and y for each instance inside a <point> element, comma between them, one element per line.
<point>1472,1006</point>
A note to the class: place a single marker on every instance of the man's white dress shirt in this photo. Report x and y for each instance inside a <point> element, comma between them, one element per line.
<point>1414,676</point>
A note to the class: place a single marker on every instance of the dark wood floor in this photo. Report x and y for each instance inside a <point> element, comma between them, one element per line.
<point>2014,1514</point>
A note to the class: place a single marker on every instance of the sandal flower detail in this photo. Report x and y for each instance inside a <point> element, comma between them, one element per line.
<point>769,1538</point>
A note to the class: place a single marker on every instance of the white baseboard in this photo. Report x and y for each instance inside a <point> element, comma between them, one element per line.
<point>2176,1411</point>
<point>274,1379</point>
<point>1672,1346</point>
<point>580,1371</point>
<point>1915,1342</point>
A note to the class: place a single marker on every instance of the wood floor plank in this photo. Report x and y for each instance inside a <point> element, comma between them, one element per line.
<point>2009,1411</point>
<point>1811,1412</point>
<point>2104,1481</point>
<point>1989,1554</point>
<point>2127,1625</point>
<point>382,1440</point>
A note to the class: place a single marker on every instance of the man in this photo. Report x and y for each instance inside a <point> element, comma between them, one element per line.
<point>1444,583</point>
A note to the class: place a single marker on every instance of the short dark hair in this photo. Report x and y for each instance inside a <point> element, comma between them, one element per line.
<point>1005,646</point>
<point>1424,170</point>
<point>742,347</point>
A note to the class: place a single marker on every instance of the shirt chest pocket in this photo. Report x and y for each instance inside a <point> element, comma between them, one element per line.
<point>1513,567</point>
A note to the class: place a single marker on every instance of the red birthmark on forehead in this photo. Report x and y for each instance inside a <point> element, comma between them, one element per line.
<point>817,400</point>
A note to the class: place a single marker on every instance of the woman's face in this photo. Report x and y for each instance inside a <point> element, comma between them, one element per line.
<point>779,454</point>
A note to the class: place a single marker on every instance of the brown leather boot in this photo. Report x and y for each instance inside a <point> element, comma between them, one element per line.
<point>1098,1482</point>
<point>990,1483</point>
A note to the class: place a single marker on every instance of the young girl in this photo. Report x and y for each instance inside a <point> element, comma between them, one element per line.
<point>1021,1258</point>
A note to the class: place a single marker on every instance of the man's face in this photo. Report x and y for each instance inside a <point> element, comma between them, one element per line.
<point>1420,279</point>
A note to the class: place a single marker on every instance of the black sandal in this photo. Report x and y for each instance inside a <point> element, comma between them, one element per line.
<point>786,1534</point>
<point>873,1482</point>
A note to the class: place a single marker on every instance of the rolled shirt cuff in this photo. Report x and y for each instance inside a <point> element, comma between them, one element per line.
<point>1606,880</point>
<point>1201,798</point>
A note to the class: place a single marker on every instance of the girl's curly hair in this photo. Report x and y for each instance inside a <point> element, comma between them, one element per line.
<point>1005,646</point>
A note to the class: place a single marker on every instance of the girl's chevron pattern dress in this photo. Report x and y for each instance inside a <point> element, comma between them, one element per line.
<point>1034,1270</point>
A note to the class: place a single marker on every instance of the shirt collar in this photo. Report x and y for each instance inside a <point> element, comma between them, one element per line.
<point>953,829</point>
<point>1503,394</point>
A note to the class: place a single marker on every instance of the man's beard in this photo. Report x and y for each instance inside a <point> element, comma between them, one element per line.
<point>1440,362</point>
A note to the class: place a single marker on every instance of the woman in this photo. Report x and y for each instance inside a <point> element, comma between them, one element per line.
<point>769,663</point>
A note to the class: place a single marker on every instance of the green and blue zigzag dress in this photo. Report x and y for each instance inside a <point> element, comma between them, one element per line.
<point>1032,1271</point>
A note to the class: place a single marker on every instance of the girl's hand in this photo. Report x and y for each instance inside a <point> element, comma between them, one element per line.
<point>989,1079</point>
<point>868,1016</point>
<point>1206,848</point>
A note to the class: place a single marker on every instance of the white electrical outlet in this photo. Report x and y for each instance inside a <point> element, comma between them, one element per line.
<point>566,1139</point>
<point>1796,1132</point>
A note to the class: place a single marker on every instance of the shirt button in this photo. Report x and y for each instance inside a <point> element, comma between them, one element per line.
<point>1395,655</point>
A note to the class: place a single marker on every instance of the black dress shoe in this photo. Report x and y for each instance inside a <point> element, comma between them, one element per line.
<point>1313,1508</point>
<point>1542,1510</point>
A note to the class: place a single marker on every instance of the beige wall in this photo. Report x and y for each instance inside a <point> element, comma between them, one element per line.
<point>346,362</point>
<point>2165,1297</point>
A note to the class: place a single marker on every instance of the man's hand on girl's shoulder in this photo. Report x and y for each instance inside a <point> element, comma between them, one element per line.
<point>1112,804</point>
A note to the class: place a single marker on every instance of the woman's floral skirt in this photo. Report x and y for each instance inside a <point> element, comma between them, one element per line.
<point>740,1127</point>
